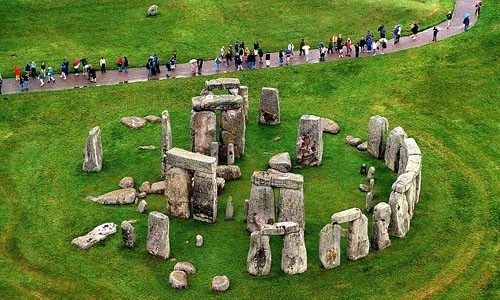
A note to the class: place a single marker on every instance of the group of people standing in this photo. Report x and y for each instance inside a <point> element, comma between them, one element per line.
<point>153,65</point>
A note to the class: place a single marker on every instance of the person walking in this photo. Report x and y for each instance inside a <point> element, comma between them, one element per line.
<point>119,64</point>
<point>21,83</point>
<point>256,47</point>
<point>238,62</point>
<point>33,69</point>
<point>50,75</point>
<point>41,76</point>
<point>76,65</point>
<point>414,30</point>
<point>26,81</point>
<point>330,47</point>
<point>356,49</point>
<point>199,64</point>
<point>173,60</point>
<point>169,68</point>
<point>64,70</point>
<point>383,45</point>
<point>229,55</point>
<point>102,63</point>
<point>92,74</point>
<point>125,64</point>
<point>290,47</point>
<point>362,44</point>
<point>301,46</point>
<point>449,15</point>
<point>434,34</point>
<point>280,57</point>
<point>27,68</point>
<point>397,33</point>
<point>382,31</point>
<point>261,55</point>
<point>322,52</point>
<point>17,71</point>
<point>306,49</point>
<point>42,68</point>
<point>466,21</point>
<point>478,8</point>
<point>217,64</point>
<point>348,47</point>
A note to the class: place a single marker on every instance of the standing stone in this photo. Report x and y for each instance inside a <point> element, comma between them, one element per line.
<point>261,202</point>
<point>230,154</point>
<point>371,173</point>
<point>166,133</point>
<point>128,234</point>
<point>142,206</point>
<point>259,255</point>
<point>358,242</point>
<point>362,170</point>
<point>294,254</point>
<point>158,235</point>
<point>178,280</point>
<point>269,106</point>
<point>369,200</point>
<point>377,130</point>
<point>220,283</point>
<point>199,240</point>
<point>291,206</point>
<point>281,162</point>
<point>178,192</point>
<point>92,153</point>
<point>203,127</point>
<point>408,148</point>
<point>393,148</point>
<point>96,235</point>
<point>310,141</point>
<point>233,127</point>
<point>229,209</point>
<point>214,150</point>
<point>204,197</point>
<point>372,185</point>
<point>381,220</point>
<point>126,183</point>
<point>329,246</point>
<point>247,205</point>
<point>400,219</point>
<point>243,92</point>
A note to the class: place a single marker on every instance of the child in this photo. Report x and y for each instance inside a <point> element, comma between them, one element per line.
<point>41,77</point>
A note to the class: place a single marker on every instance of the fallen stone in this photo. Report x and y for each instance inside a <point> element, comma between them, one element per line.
<point>329,126</point>
<point>269,106</point>
<point>152,119</point>
<point>231,172</point>
<point>199,240</point>
<point>358,242</point>
<point>220,283</point>
<point>153,10</point>
<point>118,197</point>
<point>222,84</point>
<point>347,215</point>
<point>259,255</point>
<point>272,230</point>
<point>126,183</point>
<point>216,102</point>
<point>141,195</point>
<point>281,162</point>
<point>178,192</point>
<point>363,187</point>
<point>381,220</point>
<point>145,187</point>
<point>363,146</point>
<point>203,126</point>
<point>142,206</point>
<point>96,235</point>
<point>277,139</point>
<point>393,148</point>
<point>294,253</point>
<point>166,134</point>
<point>309,146</point>
<point>178,280</point>
<point>186,267</point>
<point>353,141</point>
<point>158,242</point>
<point>278,179</point>
<point>288,226</point>
<point>128,234</point>
<point>329,246</point>
<point>146,148</point>
<point>92,153</point>
<point>229,209</point>
<point>377,131</point>
<point>191,161</point>
<point>134,122</point>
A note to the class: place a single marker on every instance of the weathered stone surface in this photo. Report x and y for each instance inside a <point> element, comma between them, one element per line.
<point>261,202</point>
<point>232,131</point>
<point>158,187</point>
<point>362,170</point>
<point>269,106</point>
<point>281,162</point>
<point>178,280</point>
<point>232,172</point>
<point>243,92</point>
<point>230,154</point>
<point>141,195</point>
<point>220,283</point>
<point>408,148</point>
<point>400,219</point>
<point>277,139</point>
<point>247,205</point>
<point>96,235</point>
<point>278,179</point>
<point>291,206</point>
<point>413,164</point>
<point>381,220</point>
<point>166,134</point>
<point>152,119</point>
<point>363,187</point>
<point>372,185</point>
<point>214,151</point>
<point>310,141</point>
<point>329,126</point>
<point>203,126</point>
<point>294,254</point>
<point>153,10</point>
<point>259,255</point>
<point>371,173</point>
<point>128,234</point>
<point>288,226</point>
<point>147,148</point>
<point>133,122</point>
<point>229,209</point>
<point>178,192</point>
<point>222,84</point>
<point>191,161</point>
<point>199,240</point>
<point>358,242</point>
<point>186,267</point>
<point>126,183</point>
<point>368,201</point>
<point>118,197</point>
<point>363,146</point>
<point>221,182</point>
<point>347,215</point>
<point>92,153</point>
<point>272,230</point>
<point>145,187</point>
<point>377,131</point>
<point>216,102</point>
<point>329,246</point>
<point>404,182</point>
<point>158,242</point>
<point>393,148</point>
<point>142,206</point>
<point>204,197</point>
<point>353,141</point>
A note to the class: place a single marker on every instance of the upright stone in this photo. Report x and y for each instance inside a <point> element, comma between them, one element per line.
<point>358,242</point>
<point>261,203</point>
<point>247,205</point>
<point>259,255</point>
<point>243,92</point>
<point>377,130</point>
<point>92,153</point>
<point>166,134</point>
<point>294,254</point>
<point>128,234</point>
<point>178,192</point>
<point>329,246</point>
<point>362,170</point>
<point>199,240</point>
<point>381,220</point>
<point>310,141</point>
<point>204,197</point>
<point>230,154</point>
<point>408,148</point>
<point>291,206</point>
<point>369,200</point>
<point>393,148</point>
<point>230,209</point>
<point>214,150</point>
<point>158,235</point>
<point>269,106</point>
<point>142,206</point>
<point>371,173</point>
<point>232,131</point>
<point>203,127</point>
<point>400,218</point>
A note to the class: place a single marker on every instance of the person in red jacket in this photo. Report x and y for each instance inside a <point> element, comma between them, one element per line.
<point>17,71</point>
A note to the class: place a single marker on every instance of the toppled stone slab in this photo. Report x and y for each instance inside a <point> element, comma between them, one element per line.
<point>329,246</point>
<point>363,187</point>
<point>153,10</point>
<point>353,141</point>
<point>281,162</point>
<point>259,255</point>
<point>309,146</point>
<point>178,280</point>
<point>393,148</point>
<point>118,197</point>
<point>191,161</point>
<point>231,172</point>
<point>158,242</point>
<point>133,122</point>
<point>147,148</point>
<point>96,235</point>
<point>92,153</point>
<point>222,84</point>
<point>289,227</point>
<point>363,146</point>
<point>347,215</point>
<point>278,179</point>
<point>128,234</point>
<point>272,230</point>
<point>330,126</point>
<point>126,183</point>
<point>186,267</point>
<point>216,102</point>
<point>377,131</point>
<point>220,283</point>
<point>152,119</point>
<point>157,187</point>
<point>145,187</point>
<point>269,106</point>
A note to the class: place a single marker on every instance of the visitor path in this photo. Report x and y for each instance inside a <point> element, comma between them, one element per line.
<point>10,85</point>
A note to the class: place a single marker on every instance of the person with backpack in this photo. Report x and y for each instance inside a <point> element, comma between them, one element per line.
<point>466,23</point>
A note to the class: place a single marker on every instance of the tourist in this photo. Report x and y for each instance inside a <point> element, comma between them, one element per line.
<point>383,44</point>
<point>229,55</point>
<point>288,54</point>
<point>33,69</point>
<point>466,21</point>
<point>382,30</point>
<point>362,44</point>
<point>93,77</point>
<point>1,82</point>
<point>173,60</point>
<point>42,68</point>
<point>348,47</point>
<point>290,47</point>
<point>356,49</point>
<point>125,64</point>
<point>199,64</point>
<point>330,47</point>
<point>238,62</point>
<point>157,64</point>
<point>217,63</point>
<point>340,41</point>
<point>256,48</point>
<point>149,67</point>
<point>76,65</point>
<point>21,83</point>
<point>27,68</point>
<point>478,8</point>
<point>334,39</point>
<point>66,63</point>
<point>280,57</point>
<point>397,33</point>
<point>434,34</point>
<point>119,64</point>
<point>26,81</point>
<point>17,71</point>
<point>375,47</point>
<point>369,44</point>
<point>102,63</point>
<point>251,61</point>
<point>41,76</point>
<point>322,51</point>
<point>222,52</point>
<point>268,59</point>
<point>64,70</point>
<point>369,35</point>
<point>247,52</point>
<point>301,46</point>
<point>414,30</point>
<point>307,50</point>
<point>449,15</point>
<point>85,66</point>
<point>236,46</point>
<point>261,54</point>
<point>341,51</point>
<point>242,48</point>
<point>169,68</point>
<point>50,75</point>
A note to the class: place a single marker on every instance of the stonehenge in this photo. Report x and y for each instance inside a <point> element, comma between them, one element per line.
<point>310,141</point>
<point>92,153</point>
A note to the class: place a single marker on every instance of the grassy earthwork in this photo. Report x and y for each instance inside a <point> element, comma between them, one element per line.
<point>444,95</point>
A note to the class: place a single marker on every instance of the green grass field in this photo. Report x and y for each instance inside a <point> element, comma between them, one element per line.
<point>444,95</point>
<point>53,30</point>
